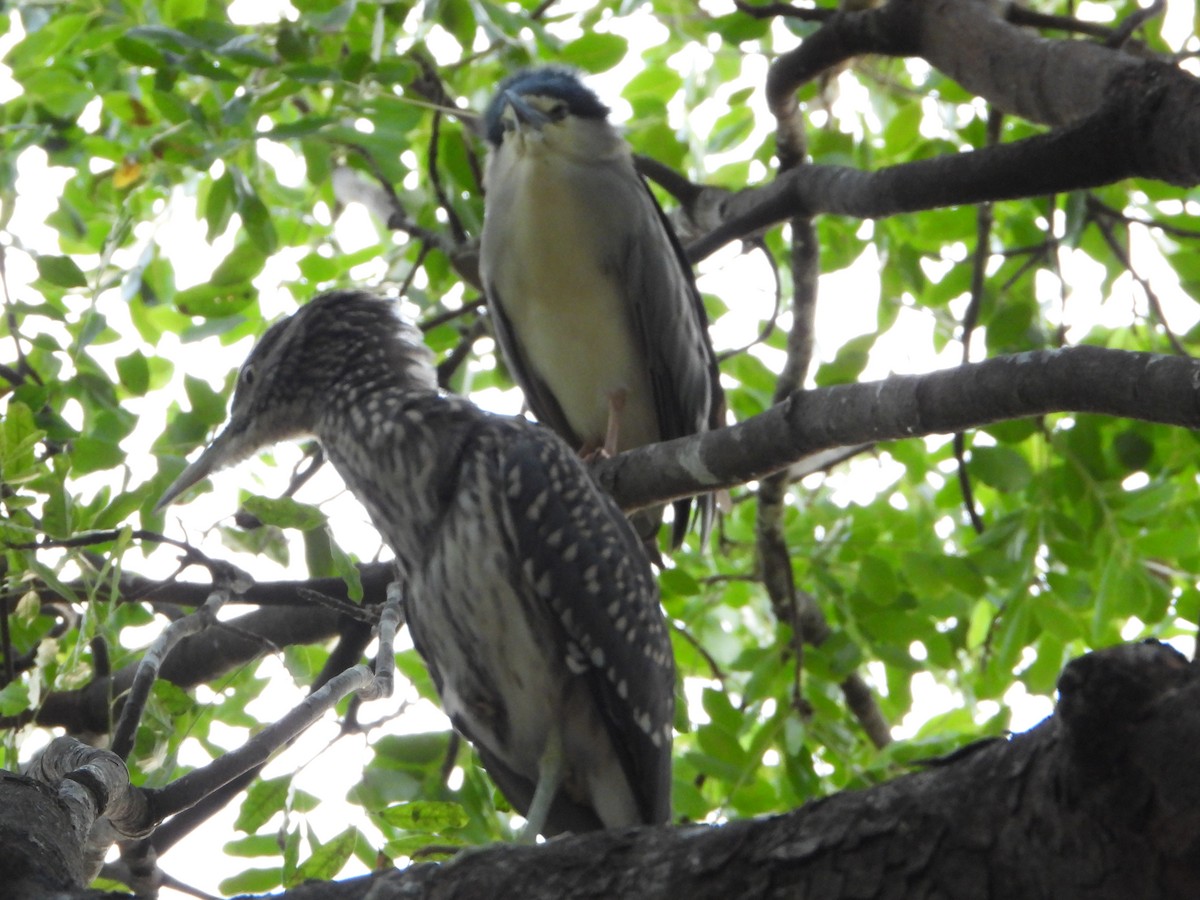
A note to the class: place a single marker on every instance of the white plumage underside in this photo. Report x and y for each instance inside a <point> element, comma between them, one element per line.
<point>573,323</point>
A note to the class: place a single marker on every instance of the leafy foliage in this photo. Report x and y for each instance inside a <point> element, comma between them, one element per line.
<point>171,179</point>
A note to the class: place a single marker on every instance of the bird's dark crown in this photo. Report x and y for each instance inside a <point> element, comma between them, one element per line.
<point>338,332</point>
<point>557,82</point>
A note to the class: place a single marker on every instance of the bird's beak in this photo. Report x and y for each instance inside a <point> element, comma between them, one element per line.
<point>525,112</point>
<point>222,452</point>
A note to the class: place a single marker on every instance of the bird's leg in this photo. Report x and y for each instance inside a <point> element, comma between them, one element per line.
<point>550,768</point>
<point>616,405</point>
<point>612,436</point>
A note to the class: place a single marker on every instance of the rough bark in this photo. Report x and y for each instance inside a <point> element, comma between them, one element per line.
<point>40,853</point>
<point>1113,115</point>
<point>1100,801</point>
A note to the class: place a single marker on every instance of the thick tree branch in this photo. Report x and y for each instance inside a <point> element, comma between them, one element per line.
<point>1142,132</point>
<point>1117,115</point>
<point>1098,801</point>
<point>1145,386</point>
<point>1049,81</point>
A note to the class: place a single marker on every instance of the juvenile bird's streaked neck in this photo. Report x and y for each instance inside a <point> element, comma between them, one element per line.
<point>387,433</point>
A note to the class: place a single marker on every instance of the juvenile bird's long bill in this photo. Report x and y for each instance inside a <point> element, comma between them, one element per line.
<point>216,456</point>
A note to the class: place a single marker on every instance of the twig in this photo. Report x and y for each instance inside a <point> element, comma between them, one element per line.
<point>148,668</point>
<point>1094,204</point>
<point>984,220</point>
<point>785,11</point>
<point>769,328</point>
<point>1023,15</point>
<point>341,607</point>
<point>448,366</point>
<point>1156,308</point>
<point>1125,30</point>
<point>450,315</point>
<point>10,672</point>
<point>192,555</point>
<point>391,617</point>
<point>16,377</point>
<point>713,667</point>
<point>435,179</point>
<point>190,789</point>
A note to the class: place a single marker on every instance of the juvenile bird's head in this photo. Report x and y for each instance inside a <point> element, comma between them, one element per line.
<point>341,341</point>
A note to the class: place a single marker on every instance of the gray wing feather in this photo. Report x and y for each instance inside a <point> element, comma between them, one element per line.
<point>671,324</point>
<point>585,560</point>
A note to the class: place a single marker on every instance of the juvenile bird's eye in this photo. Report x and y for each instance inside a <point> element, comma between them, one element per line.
<point>247,378</point>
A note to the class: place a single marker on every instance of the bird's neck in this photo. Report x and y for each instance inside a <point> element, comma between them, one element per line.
<point>395,448</point>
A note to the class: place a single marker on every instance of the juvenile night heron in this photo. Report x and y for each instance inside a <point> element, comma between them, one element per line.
<point>527,590</point>
<point>594,305</point>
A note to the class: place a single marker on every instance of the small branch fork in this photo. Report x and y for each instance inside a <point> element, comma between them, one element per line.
<point>370,683</point>
<point>96,782</point>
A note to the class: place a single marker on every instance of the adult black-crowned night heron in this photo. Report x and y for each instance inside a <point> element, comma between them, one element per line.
<point>526,589</point>
<point>594,305</point>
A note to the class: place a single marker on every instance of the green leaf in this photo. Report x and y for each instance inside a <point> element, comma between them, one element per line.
<point>218,207</point>
<point>58,90</point>
<point>140,52</point>
<point>19,437</point>
<point>253,845</point>
<point>1001,467</point>
<point>411,751</point>
<point>252,881</point>
<point>134,372</point>
<point>61,271</point>
<point>328,859</point>
<point>877,580</point>
<point>731,129</point>
<point>1133,450</point>
<point>94,455</point>
<point>848,365</point>
<point>175,12</point>
<point>318,552</point>
<point>14,698</point>
<point>167,38</point>
<point>596,51</point>
<point>263,800</point>
<point>677,582</point>
<point>284,512</point>
<point>243,263</point>
<point>721,712</point>
<point>256,219</point>
<point>229,291</point>
<point>658,82</point>
<point>344,566</point>
<point>42,45</point>
<point>902,129</point>
<point>726,758</point>
<point>425,815</point>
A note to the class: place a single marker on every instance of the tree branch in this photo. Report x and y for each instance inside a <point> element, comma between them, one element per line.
<point>198,659</point>
<point>1098,801</point>
<point>1145,386</point>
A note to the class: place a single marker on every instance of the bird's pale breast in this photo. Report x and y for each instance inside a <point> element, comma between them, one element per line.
<point>557,287</point>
